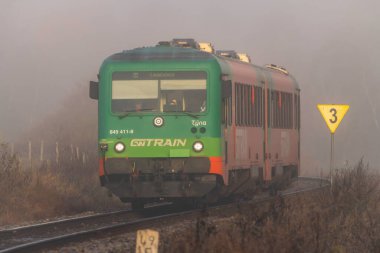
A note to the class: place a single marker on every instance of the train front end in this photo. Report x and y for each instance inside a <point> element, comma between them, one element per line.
<point>159,124</point>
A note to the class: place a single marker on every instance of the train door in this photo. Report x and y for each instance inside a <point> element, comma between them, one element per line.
<point>226,125</point>
<point>268,86</point>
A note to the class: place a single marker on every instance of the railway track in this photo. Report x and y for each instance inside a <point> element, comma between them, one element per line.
<point>12,240</point>
<point>35,238</point>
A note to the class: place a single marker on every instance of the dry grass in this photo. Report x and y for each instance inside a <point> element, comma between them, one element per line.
<point>47,192</point>
<point>346,219</point>
<point>50,189</point>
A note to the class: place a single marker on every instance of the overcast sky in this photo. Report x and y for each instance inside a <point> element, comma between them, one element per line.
<point>48,47</point>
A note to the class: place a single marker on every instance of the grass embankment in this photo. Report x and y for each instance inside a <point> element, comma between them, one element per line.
<point>49,188</point>
<point>346,219</point>
<point>46,192</point>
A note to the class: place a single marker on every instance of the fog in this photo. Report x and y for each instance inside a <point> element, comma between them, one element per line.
<point>47,48</point>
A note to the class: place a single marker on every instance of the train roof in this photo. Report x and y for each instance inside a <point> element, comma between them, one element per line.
<point>161,53</point>
<point>168,52</point>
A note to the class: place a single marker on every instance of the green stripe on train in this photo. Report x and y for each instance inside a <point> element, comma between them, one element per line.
<point>163,147</point>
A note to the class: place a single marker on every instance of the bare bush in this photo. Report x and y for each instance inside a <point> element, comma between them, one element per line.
<point>55,188</point>
<point>343,219</point>
<point>47,192</point>
<point>355,208</point>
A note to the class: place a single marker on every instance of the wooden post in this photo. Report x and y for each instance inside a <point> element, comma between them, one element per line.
<point>57,153</point>
<point>83,158</point>
<point>72,152</point>
<point>30,154</point>
<point>12,149</point>
<point>42,151</point>
<point>77,153</point>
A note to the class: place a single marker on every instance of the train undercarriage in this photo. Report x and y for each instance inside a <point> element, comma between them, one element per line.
<point>185,181</point>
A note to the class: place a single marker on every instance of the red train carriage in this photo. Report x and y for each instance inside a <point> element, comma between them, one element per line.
<point>261,123</point>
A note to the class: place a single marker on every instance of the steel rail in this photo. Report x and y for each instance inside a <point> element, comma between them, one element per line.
<point>59,222</point>
<point>26,234</point>
<point>32,246</point>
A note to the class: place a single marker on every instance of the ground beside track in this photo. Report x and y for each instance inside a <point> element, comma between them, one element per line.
<point>186,232</point>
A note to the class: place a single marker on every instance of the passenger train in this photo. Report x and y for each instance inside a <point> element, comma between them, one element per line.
<point>181,121</point>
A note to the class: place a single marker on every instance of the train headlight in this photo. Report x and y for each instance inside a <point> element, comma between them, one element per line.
<point>119,147</point>
<point>198,146</point>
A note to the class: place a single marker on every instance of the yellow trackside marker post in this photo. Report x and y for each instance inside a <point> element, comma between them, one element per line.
<point>333,115</point>
<point>147,241</point>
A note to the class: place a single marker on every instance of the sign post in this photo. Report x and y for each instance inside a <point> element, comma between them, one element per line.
<point>333,115</point>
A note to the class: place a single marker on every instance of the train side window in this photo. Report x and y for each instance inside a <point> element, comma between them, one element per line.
<point>236,104</point>
<point>259,112</point>
<point>226,89</point>
<point>296,112</point>
<point>229,111</point>
<point>227,103</point>
<point>226,92</point>
<point>286,110</point>
<point>262,107</point>
<point>241,97</point>
<point>299,112</point>
<point>243,106</point>
<point>274,109</point>
<point>224,111</point>
<point>290,111</point>
<point>239,105</point>
<point>251,104</point>
<point>269,110</point>
<point>279,107</point>
<point>247,105</point>
<point>282,108</point>
<point>278,111</point>
<point>285,113</point>
<point>257,107</point>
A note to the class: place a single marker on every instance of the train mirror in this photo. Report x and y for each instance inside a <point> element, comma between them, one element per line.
<point>94,90</point>
<point>226,89</point>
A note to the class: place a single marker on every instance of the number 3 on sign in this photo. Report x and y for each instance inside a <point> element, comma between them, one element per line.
<point>333,115</point>
<point>333,111</point>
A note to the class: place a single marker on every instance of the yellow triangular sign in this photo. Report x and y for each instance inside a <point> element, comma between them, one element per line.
<point>333,115</point>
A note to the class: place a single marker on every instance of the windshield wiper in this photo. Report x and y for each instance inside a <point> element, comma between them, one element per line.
<point>189,113</point>
<point>126,113</point>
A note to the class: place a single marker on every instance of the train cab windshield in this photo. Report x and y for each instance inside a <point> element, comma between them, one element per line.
<point>159,92</point>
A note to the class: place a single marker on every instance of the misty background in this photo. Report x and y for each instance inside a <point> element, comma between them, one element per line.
<point>49,48</point>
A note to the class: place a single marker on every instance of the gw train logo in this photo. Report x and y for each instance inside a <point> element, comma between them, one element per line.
<point>158,142</point>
